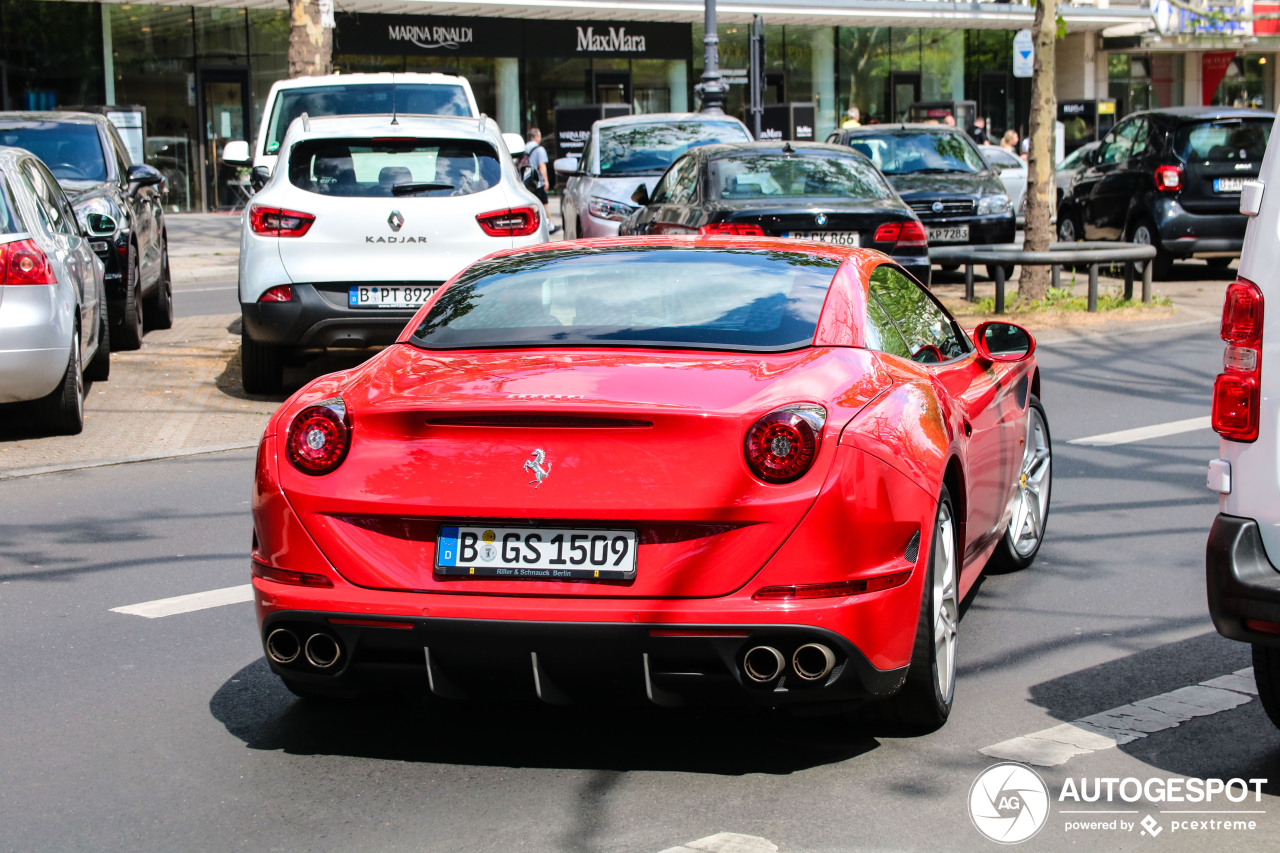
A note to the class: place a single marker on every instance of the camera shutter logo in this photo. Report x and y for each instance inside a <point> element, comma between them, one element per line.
<point>1009,803</point>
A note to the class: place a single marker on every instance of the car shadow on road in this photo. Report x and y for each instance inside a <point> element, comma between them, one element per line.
<point>296,373</point>
<point>255,707</point>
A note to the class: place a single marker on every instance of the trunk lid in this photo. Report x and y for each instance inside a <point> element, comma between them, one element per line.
<point>821,216</point>
<point>649,441</point>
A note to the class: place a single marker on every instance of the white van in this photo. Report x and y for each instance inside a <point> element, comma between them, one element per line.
<point>1243,554</point>
<point>351,94</point>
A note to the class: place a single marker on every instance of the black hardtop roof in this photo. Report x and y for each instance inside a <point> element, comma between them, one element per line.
<point>1202,113</point>
<point>770,146</point>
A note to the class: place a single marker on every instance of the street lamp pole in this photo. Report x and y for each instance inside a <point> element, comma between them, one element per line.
<point>712,90</point>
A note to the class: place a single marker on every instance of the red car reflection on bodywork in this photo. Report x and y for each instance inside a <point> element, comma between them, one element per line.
<point>720,574</point>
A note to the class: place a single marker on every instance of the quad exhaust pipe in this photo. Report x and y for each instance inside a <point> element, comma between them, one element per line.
<point>322,651</point>
<point>763,664</point>
<point>283,646</point>
<point>813,661</point>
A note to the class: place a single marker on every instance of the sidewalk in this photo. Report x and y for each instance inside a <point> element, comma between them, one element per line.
<point>181,395</point>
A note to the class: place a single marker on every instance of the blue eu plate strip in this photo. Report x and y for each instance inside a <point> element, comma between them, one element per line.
<point>447,548</point>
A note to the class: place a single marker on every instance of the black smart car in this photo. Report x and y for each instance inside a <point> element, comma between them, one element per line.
<point>92,165</point>
<point>802,190</point>
<point>938,171</point>
<point>1170,178</point>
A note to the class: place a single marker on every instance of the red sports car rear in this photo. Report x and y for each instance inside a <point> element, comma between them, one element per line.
<point>675,471</point>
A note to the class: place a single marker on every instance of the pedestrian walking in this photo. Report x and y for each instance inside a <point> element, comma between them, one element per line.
<point>853,118</point>
<point>979,131</point>
<point>535,156</point>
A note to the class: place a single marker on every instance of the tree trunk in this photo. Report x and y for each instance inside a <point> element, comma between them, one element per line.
<point>310,43</point>
<point>1034,283</point>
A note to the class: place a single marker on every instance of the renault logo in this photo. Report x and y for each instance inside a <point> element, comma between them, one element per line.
<point>395,220</point>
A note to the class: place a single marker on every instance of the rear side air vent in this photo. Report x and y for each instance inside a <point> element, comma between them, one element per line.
<point>913,548</point>
<point>539,421</point>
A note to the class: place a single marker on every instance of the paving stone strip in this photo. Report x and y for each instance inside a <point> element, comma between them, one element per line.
<point>178,395</point>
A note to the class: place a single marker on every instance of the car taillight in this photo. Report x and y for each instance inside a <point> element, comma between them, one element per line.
<point>901,234</point>
<point>279,293</point>
<point>279,222</point>
<point>514,222</point>
<point>832,590</point>
<point>731,229</point>
<point>781,446</point>
<point>1237,392</point>
<point>319,437</point>
<point>271,573</point>
<point>23,262</point>
<point>1168,178</point>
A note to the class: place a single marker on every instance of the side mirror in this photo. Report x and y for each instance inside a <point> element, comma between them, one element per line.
<point>142,175</point>
<point>1090,156</point>
<point>998,341</point>
<point>237,154</point>
<point>641,195</point>
<point>259,176</point>
<point>567,166</point>
<point>514,142</point>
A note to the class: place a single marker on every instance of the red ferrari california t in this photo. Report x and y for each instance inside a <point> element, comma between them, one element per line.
<point>674,470</point>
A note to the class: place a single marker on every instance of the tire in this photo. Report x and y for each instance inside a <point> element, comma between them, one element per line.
<point>1143,232</point>
<point>129,335</point>
<point>925,700</point>
<point>159,311</point>
<point>99,370</point>
<point>1029,507</point>
<point>1068,228</point>
<point>1219,264</point>
<point>261,366</point>
<point>63,408</point>
<point>1008,272</point>
<point>948,267</point>
<point>1266,672</point>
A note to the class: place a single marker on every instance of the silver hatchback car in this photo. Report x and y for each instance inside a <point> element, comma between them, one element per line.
<point>625,152</point>
<point>53,319</point>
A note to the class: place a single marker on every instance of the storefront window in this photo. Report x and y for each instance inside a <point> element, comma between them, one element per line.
<point>1129,82</point>
<point>48,61</point>
<point>863,61</point>
<point>1249,82</point>
<point>1167,78</point>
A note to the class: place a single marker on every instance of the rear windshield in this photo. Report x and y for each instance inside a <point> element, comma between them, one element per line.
<point>446,99</point>
<point>9,222</point>
<point>729,299</point>
<point>815,173</point>
<point>638,149</point>
<point>363,168</point>
<point>905,153</point>
<point>1223,140</point>
<point>73,152</point>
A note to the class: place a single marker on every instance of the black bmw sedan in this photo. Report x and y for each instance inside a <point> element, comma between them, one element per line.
<point>939,172</point>
<point>801,190</point>
<point>85,153</point>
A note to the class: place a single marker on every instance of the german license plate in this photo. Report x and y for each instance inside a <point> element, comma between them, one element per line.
<point>389,296</point>
<point>841,238</point>
<point>952,234</point>
<point>1228,185</point>
<point>536,553</point>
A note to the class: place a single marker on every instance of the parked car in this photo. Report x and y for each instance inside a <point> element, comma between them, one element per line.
<point>348,94</point>
<point>1013,174</point>
<point>86,155</point>
<point>52,306</point>
<point>938,171</point>
<point>502,501</point>
<point>364,219</point>
<point>801,190</point>
<point>628,152</point>
<point>1169,178</point>
<point>1065,172</point>
<point>1243,554</point>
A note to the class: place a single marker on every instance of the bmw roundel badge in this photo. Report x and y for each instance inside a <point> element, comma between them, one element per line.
<point>821,219</point>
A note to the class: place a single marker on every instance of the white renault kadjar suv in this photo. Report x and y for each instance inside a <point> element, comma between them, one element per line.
<point>1243,555</point>
<point>362,220</point>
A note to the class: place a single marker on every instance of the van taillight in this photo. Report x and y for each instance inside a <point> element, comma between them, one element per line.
<point>1237,392</point>
<point>1168,178</point>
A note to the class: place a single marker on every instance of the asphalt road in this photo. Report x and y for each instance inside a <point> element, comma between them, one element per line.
<point>123,732</point>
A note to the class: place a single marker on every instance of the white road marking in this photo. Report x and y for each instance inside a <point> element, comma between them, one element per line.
<point>206,289</point>
<point>189,603</point>
<point>726,842</point>
<point>1128,436</point>
<point>1059,744</point>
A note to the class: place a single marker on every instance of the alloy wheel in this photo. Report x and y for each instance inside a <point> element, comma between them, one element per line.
<point>1031,502</point>
<point>946,602</point>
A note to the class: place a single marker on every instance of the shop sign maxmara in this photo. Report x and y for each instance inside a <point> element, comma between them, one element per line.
<point>617,41</point>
